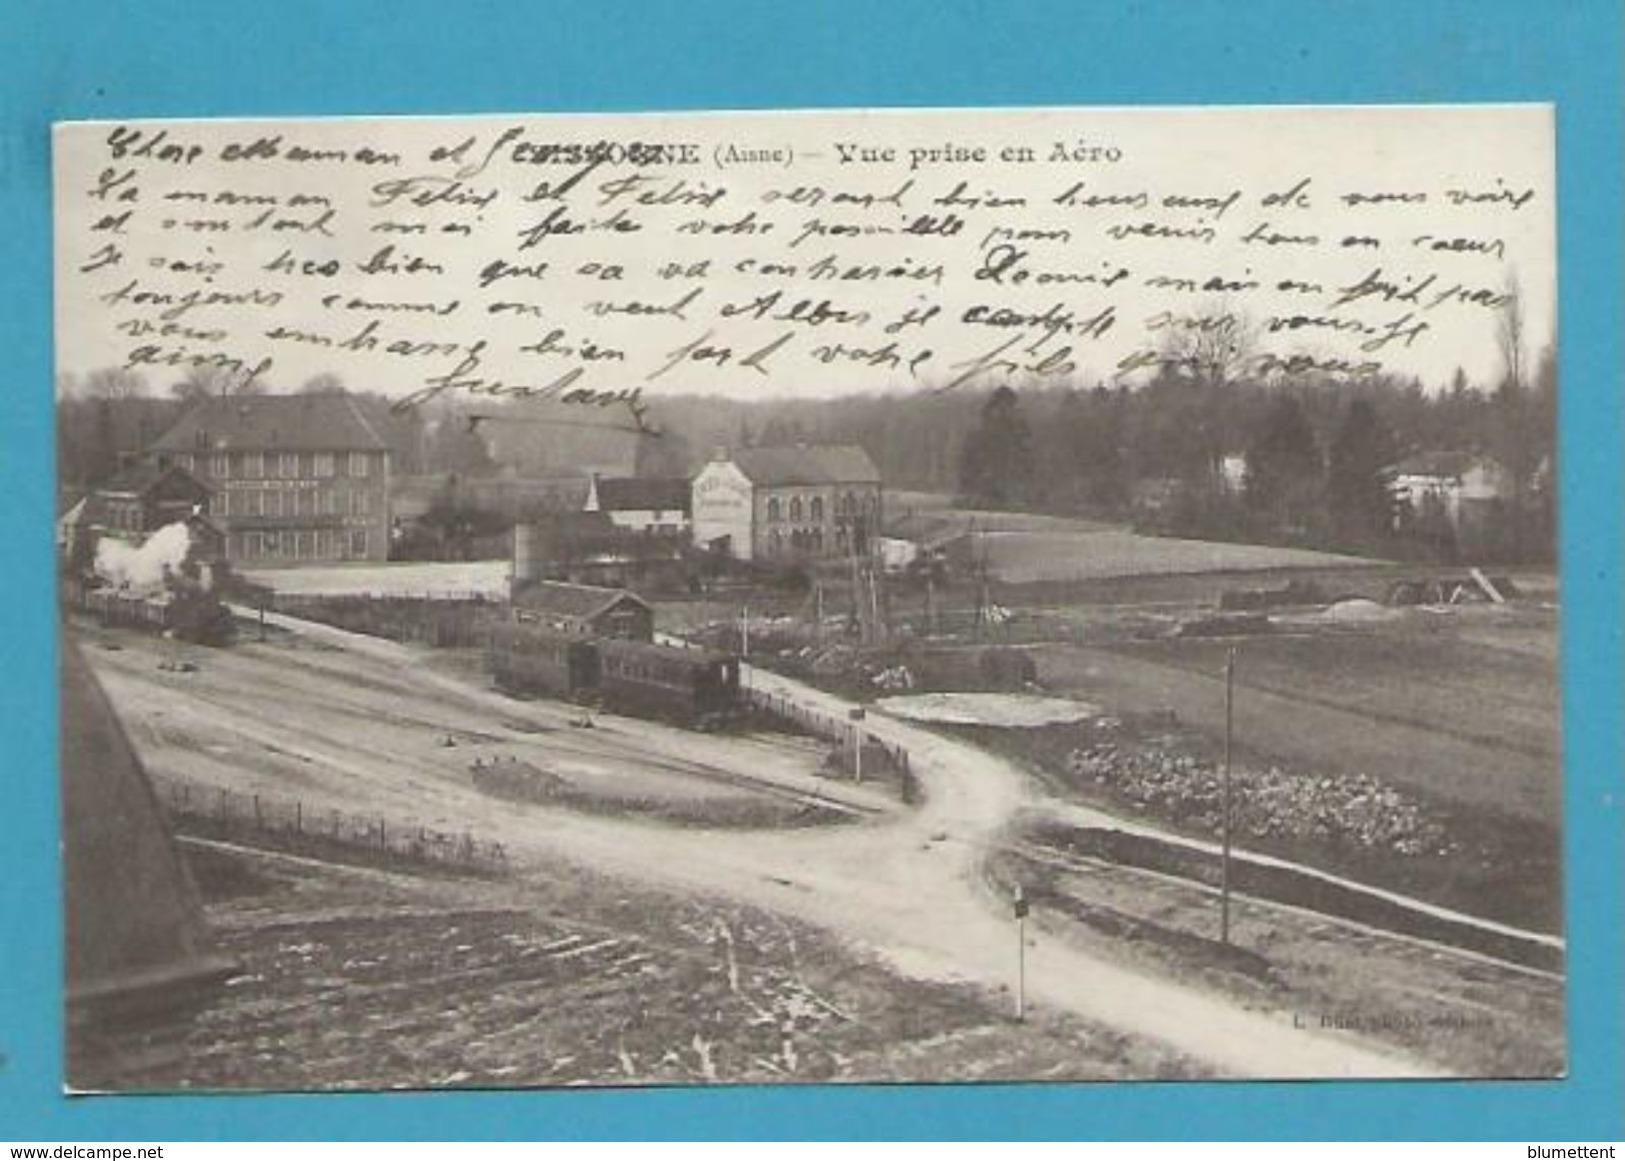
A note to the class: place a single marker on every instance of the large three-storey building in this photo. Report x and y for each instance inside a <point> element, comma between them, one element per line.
<point>293,478</point>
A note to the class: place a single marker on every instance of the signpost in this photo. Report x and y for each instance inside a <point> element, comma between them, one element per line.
<point>1021,908</point>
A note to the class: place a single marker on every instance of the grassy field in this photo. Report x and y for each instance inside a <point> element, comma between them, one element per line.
<point>1421,671</point>
<point>1473,1016</point>
<point>1457,710</point>
<point>1035,556</point>
<point>1025,548</point>
<point>1432,702</point>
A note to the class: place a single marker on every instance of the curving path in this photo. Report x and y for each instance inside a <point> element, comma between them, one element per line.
<point>908,885</point>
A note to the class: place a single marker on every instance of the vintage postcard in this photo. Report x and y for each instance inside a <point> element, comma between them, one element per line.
<point>938,595</point>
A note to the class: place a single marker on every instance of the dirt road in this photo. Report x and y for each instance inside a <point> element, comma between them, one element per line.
<point>360,724</point>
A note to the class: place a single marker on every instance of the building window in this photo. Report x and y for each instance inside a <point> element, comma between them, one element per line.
<point>273,504</point>
<point>358,542</point>
<point>817,509</point>
<point>773,511</point>
<point>184,461</point>
<point>287,465</point>
<point>303,547</point>
<point>795,510</point>
<point>329,502</point>
<point>322,467</point>
<point>220,504</point>
<point>253,465</point>
<point>253,504</point>
<point>358,464</point>
<point>220,466</point>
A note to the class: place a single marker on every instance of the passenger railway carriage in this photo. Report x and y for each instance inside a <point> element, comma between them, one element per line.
<point>694,687</point>
<point>531,658</point>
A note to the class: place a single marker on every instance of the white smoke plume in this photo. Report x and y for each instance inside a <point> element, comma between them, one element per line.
<point>125,566</point>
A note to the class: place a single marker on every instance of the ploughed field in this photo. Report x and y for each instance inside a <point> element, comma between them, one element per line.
<point>360,978</point>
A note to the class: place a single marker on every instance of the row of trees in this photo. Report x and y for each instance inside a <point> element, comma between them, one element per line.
<point>1301,462</point>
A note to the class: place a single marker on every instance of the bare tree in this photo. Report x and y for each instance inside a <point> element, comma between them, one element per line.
<point>114,383</point>
<point>1215,344</point>
<point>207,379</point>
<point>1509,334</point>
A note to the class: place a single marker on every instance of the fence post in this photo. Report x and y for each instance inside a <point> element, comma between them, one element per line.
<point>383,840</point>
<point>298,816</point>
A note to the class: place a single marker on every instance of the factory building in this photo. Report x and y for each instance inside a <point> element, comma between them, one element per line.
<point>294,479</point>
<point>788,504</point>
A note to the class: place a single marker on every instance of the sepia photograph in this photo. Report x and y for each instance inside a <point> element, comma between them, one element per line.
<point>866,596</point>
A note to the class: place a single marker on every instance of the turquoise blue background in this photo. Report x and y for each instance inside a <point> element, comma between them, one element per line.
<point>184,58</point>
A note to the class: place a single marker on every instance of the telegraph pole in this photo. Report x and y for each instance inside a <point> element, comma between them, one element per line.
<point>1224,864</point>
<point>744,631</point>
<point>857,715</point>
<point>1021,907</point>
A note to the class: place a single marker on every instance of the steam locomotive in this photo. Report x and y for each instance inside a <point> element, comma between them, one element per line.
<point>188,612</point>
<point>698,688</point>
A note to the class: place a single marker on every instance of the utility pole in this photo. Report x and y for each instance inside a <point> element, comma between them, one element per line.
<point>857,715</point>
<point>1021,908</point>
<point>744,631</point>
<point>930,600</point>
<point>1229,725</point>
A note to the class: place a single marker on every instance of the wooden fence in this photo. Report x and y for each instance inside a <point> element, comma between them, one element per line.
<point>214,810</point>
<point>441,620</point>
<point>880,758</point>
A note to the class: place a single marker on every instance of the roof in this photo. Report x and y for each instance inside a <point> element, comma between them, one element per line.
<point>581,602</point>
<point>807,464</point>
<point>140,478</point>
<point>273,423</point>
<point>1444,464</point>
<point>643,494</point>
<point>661,649</point>
<point>928,530</point>
<point>135,922</point>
